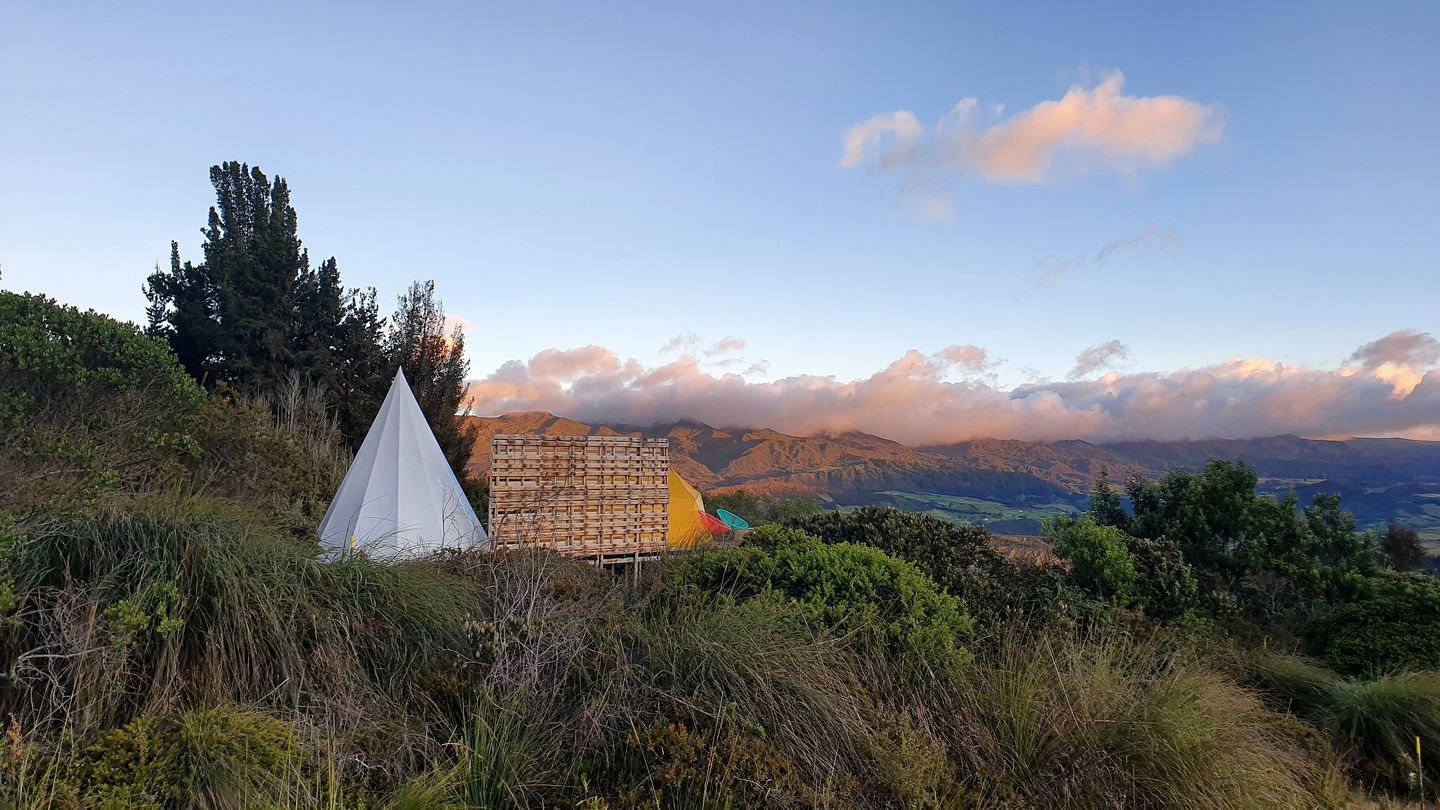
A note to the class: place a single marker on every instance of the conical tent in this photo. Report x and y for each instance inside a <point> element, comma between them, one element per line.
<point>400,498</point>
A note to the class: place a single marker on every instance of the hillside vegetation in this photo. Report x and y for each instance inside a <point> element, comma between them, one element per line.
<point>171,637</point>
<point>1013,486</point>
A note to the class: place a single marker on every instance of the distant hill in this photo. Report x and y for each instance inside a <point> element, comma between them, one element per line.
<point>1011,485</point>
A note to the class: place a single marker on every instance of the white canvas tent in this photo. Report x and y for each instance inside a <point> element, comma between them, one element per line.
<point>400,497</point>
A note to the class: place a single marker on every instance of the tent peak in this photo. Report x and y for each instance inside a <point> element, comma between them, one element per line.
<point>400,498</point>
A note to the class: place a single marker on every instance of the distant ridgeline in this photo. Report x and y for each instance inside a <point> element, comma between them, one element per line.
<point>1010,486</point>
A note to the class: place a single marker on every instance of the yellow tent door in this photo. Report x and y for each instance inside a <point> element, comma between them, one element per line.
<point>686,526</point>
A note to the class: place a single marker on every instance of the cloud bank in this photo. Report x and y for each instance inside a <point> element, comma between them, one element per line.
<point>1388,387</point>
<point>1086,129</point>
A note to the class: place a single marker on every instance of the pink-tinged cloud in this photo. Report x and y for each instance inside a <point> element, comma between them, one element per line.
<point>1102,124</point>
<point>969,357</point>
<point>916,399</point>
<point>568,364</point>
<point>1086,129</point>
<point>1403,347</point>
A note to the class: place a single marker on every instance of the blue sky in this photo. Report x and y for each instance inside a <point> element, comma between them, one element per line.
<point>689,156</point>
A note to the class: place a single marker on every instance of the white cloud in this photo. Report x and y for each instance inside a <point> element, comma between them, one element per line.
<point>868,135</point>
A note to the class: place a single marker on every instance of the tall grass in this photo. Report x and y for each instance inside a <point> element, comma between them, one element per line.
<point>1065,721</point>
<point>143,612</point>
<point>494,680</point>
<point>1374,721</point>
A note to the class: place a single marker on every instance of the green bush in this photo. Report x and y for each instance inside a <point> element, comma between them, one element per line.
<point>1166,586</point>
<point>855,589</point>
<point>87,404</point>
<point>942,550</point>
<point>208,758</point>
<point>1099,556</point>
<point>1391,625</point>
<point>759,508</point>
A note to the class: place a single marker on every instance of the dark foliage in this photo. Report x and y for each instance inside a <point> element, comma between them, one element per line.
<point>944,551</point>
<point>1166,586</point>
<point>1401,549</point>
<point>433,359</point>
<point>1391,625</point>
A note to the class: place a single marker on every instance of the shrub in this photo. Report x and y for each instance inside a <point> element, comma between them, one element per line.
<point>942,550</point>
<point>760,507</point>
<point>207,758</point>
<point>1165,585</point>
<point>1392,624</point>
<point>853,588</point>
<point>87,404</point>
<point>1099,556</point>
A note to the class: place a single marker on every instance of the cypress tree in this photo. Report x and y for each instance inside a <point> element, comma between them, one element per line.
<point>434,362</point>
<point>364,370</point>
<point>253,310</point>
<point>1105,507</point>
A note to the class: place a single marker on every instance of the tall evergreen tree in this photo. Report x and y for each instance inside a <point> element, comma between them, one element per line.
<point>364,369</point>
<point>434,362</point>
<point>1105,507</point>
<point>253,310</point>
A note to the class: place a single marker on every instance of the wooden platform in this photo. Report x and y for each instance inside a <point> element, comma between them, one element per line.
<point>589,496</point>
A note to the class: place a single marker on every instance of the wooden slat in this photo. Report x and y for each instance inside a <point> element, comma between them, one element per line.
<point>584,495</point>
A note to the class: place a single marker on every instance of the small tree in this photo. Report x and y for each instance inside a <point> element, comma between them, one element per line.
<point>1099,556</point>
<point>434,363</point>
<point>1334,537</point>
<point>1105,506</point>
<point>1401,548</point>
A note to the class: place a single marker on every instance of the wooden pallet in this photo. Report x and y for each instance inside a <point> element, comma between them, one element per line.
<point>588,496</point>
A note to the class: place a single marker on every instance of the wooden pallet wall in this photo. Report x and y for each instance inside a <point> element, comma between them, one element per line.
<point>589,496</point>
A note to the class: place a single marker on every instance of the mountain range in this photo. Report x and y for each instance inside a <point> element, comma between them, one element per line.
<point>1011,485</point>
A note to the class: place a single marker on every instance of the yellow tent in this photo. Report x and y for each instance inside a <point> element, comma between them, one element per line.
<point>687,528</point>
